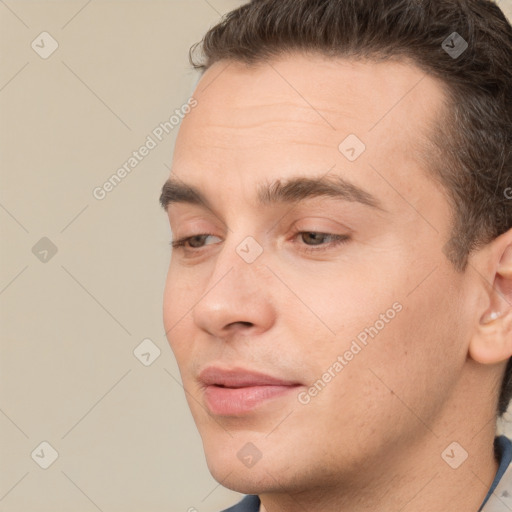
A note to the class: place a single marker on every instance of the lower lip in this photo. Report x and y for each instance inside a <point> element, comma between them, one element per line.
<point>235,401</point>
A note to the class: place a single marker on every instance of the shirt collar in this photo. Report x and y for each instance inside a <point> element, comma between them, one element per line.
<point>499,497</point>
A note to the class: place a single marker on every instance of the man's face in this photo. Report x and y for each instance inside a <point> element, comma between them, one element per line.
<point>349,298</point>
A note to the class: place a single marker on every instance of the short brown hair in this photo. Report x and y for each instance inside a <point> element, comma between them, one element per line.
<point>471,147</point>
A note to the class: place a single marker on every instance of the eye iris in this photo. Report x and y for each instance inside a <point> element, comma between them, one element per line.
<point>317,238</point>
<point>197,238</point>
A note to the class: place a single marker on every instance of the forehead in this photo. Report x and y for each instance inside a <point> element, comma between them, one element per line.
<point>334,93</point>
<point>289,116</point>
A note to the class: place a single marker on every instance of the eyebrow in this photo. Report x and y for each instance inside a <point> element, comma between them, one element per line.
<point>291,190</point>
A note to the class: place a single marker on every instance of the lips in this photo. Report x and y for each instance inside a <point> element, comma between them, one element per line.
<point>238,378</point>
<point>238,391</point>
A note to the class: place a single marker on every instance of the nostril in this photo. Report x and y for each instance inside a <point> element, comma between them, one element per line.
<point>247,324</point>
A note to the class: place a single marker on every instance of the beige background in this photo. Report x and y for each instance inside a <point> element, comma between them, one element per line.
<point>70,323</point>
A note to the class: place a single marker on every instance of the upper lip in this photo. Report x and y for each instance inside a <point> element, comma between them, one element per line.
<point>239,378</point>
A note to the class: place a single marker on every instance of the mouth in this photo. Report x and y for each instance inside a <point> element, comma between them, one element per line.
<point>235,392</point>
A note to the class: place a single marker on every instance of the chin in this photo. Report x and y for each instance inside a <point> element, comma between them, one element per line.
<point>230,463</point>
<point>253,480</point>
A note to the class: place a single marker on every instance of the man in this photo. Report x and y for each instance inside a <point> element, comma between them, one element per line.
<point>340,288</point>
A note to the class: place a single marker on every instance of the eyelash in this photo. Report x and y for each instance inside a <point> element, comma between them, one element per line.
<point>338,240</point>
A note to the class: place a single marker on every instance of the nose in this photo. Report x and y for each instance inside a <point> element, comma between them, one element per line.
<point>237,298</point>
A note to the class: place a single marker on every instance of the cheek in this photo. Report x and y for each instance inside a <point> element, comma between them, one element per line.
<point>380,329</point>
<point>169,302</point>
<point>183,288</point>
<point>179,296</point>
<point>420,355</point>
<point>334,304</point>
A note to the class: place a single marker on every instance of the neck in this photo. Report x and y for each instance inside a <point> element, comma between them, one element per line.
<point>416,477</point>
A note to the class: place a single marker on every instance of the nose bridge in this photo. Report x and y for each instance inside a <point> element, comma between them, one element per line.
<point>239,262</point>
<point>234,291</point>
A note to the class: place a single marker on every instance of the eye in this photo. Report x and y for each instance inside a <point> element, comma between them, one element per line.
<point>194,242</point>
<point>316,238</point>
<point>314,241</point>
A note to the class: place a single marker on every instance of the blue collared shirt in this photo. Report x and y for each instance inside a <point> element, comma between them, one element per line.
<point>502,448</point>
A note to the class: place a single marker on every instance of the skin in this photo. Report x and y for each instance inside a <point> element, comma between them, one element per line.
<point>372,439</point>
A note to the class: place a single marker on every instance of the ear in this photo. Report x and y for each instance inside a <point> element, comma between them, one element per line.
<point>492,340</point>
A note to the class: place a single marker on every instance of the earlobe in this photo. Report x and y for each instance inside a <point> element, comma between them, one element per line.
<point>492,342</point>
